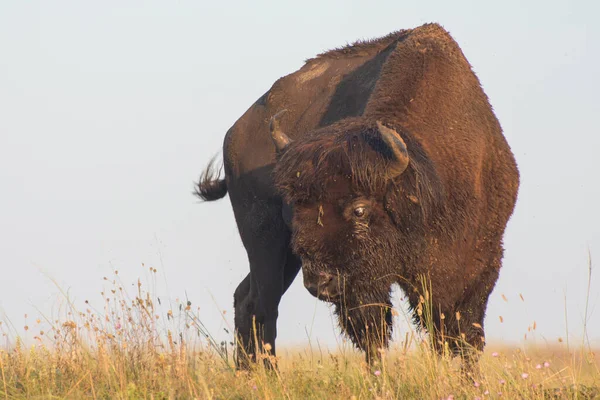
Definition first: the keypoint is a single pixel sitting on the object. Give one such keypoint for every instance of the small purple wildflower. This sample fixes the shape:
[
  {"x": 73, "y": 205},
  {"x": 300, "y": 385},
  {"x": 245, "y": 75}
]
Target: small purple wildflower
[
  {"x": 377, "y": 373},
  {"x": 502, "y": 381},
  {"x": 476, "y": 384},
  {"x": 546, "y": 364},
  {"x": 539, "y": 366},
  {"x": 524, "y": 375},
  {"x": 494, "y": 354}
]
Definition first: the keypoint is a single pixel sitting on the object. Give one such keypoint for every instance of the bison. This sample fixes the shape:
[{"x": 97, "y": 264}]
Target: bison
[{"x": 375, "y": 164}]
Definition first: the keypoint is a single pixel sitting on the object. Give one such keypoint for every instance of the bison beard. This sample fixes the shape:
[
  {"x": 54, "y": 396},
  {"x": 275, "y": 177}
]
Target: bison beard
[
  {"x": 365, "y": 315},
  {"x": 377, "y": 164}
]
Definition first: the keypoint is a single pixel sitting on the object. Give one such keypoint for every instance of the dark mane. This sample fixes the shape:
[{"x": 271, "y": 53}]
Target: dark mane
[
  {"x": 352, "y": 151},
  {"x": 309, "y": 166}
]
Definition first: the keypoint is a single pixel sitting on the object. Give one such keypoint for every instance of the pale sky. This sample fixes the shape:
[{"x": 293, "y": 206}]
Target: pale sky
[{"x": 110, "y": 110}]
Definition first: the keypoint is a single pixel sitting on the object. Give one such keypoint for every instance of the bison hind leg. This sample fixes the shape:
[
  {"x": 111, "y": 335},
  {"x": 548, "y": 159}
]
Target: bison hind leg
[{"x": 243, "y": 308}]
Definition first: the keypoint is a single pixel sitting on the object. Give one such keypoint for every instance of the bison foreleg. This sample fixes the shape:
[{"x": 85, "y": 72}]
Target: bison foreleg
[
  {"x": 469, "y": 315},
  {"x": 458, "y": 325}
]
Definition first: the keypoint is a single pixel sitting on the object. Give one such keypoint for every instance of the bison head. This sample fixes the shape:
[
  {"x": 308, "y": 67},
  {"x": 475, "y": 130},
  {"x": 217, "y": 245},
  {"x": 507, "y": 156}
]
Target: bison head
[{"x": 344, "y": 186}]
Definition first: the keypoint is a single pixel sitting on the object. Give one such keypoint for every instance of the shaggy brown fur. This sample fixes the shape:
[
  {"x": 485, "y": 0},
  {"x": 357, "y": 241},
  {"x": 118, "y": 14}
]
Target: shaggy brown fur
[{"x": 328, "y": 203}]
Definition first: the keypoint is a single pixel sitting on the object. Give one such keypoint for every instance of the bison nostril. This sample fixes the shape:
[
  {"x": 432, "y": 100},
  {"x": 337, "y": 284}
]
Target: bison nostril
[
  {"x": 328, "y": 286},
  {"x": 322, "y": 285}
]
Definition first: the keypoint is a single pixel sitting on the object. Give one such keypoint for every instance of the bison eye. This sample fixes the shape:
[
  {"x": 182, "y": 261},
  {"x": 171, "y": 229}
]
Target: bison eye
[{"x": 359, "y": 212}]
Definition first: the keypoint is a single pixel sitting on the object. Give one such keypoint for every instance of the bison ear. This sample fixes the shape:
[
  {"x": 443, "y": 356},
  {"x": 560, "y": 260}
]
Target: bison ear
[
  {"x": 280, "y": 139},
  {"x": 398, "y": 149}
]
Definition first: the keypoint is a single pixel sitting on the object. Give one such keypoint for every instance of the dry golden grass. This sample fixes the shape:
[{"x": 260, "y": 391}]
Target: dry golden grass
[{"x": 136, "y": 348}]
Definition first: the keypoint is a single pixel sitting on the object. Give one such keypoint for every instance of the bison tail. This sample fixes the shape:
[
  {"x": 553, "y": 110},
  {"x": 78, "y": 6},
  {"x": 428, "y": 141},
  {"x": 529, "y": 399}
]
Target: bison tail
[{"x": 210, "y": 187}]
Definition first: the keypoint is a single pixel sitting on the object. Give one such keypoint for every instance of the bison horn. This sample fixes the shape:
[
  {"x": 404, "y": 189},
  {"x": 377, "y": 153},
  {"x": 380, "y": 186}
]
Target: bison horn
[
  {"x": 280, "y": 139},
  {"x": 398, "y": 148}
]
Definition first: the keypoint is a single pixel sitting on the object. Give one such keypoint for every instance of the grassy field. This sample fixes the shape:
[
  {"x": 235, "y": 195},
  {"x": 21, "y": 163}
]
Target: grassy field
[{"x": 135, "y": 348}]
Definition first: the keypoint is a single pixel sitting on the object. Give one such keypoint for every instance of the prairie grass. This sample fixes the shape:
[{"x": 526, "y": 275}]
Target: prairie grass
[{"x": 136, "y": 347}]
